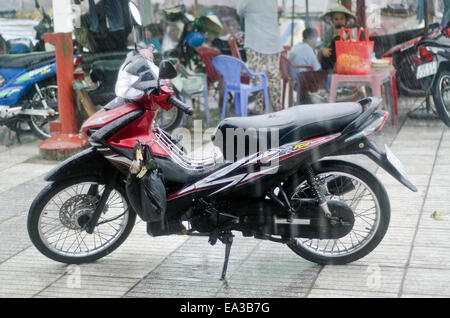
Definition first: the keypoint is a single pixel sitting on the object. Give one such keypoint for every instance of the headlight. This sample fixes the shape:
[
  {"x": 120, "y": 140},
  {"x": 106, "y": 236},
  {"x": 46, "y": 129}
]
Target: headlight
[{"x": 2, "y": 81}]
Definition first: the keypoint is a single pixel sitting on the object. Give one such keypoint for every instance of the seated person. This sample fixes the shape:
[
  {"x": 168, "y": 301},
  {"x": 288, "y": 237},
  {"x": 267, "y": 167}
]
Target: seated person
[
  {"x": 338, "y": 17},
  {"x": 150, "y": 39},
  {"x": 304, "y": 53}
]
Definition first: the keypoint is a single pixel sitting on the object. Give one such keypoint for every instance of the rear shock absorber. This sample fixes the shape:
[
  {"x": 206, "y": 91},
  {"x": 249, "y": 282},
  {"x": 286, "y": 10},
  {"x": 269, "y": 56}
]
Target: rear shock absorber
[{"x": 317, "y": 189}]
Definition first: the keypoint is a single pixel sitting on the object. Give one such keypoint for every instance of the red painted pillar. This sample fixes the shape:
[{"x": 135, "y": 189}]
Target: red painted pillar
[{"x": 69, "y": 140}]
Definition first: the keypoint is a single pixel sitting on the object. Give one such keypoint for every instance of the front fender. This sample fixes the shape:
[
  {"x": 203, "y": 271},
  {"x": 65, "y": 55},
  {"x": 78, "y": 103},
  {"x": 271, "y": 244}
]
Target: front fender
[{"x": 86, "y": 162}]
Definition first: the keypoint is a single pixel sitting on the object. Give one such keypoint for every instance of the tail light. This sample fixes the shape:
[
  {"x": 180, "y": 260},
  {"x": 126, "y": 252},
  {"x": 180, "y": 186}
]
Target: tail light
[
  {"x": 425, "y": 54},
  {"x": 377, "y": 124}
]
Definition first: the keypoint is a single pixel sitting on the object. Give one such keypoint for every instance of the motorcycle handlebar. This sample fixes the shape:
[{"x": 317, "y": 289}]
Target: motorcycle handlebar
[{"x": 180, "y": 105}]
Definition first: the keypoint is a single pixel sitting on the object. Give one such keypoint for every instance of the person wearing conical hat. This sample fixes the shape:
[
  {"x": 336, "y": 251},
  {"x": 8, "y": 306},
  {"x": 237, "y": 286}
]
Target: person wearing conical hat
[{"x": 338, "y": 17}]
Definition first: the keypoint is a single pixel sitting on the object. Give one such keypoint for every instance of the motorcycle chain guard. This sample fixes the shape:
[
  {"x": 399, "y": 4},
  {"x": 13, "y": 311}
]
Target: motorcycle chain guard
[{"x": 309, "y": 222}]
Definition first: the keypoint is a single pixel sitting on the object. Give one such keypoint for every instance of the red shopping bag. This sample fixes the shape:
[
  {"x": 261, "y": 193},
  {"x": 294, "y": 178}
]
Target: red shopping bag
[{"x": 354, "y": 57}]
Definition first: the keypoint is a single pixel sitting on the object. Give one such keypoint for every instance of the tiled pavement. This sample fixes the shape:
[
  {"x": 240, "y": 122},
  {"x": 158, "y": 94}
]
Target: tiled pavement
[{"x": 411, "y": 261}]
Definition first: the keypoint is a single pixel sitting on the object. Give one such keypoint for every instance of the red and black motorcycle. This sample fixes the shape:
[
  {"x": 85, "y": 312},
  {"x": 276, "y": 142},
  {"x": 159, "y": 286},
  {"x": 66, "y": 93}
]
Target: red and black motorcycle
[
  {"x": 401, "y": 47},
  {"x": 272, "y": 182}
]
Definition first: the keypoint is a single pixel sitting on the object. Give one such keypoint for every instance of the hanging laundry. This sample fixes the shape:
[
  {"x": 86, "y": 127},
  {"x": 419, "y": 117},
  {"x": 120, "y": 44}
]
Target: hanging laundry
[
  {"x": 94, "y": 24},
  {"x": 114, "y": 15}
]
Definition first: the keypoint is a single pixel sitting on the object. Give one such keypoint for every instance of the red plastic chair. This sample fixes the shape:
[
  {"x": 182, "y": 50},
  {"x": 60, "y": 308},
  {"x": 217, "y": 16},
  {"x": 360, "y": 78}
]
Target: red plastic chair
[
  {"x": 232, "y": 42},
  {"x": 206, "y": 55},
  {"x": 287, "y": 80}
]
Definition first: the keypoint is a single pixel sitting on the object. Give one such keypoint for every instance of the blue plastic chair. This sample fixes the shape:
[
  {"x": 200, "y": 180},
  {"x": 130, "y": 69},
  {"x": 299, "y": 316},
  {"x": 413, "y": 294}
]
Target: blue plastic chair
[{"x": 230, "y": 68}]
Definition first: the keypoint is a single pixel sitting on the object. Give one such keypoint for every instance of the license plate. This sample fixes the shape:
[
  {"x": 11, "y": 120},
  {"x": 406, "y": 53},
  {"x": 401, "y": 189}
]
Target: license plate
[
  {"x": 427, "y": 69},
  {"x": 395, "y": 162}
]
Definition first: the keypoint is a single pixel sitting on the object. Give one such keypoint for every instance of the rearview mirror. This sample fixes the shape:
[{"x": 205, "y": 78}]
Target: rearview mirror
[
  {"x": 135, "y": 14},
  {"x": 167, "y": 70}
]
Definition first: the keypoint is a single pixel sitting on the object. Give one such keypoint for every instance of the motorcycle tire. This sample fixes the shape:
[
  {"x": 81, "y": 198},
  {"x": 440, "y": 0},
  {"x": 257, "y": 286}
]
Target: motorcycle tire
[
  {"x": 364, "y": 184},
  {"x": 442, "y": 82},
  {"x": 169, "y": 124},
  {"x": 71, "y": 207}
]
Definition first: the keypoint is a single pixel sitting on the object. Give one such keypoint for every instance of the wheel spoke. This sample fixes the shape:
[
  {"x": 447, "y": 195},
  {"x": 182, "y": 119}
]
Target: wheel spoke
[{"x": 61, "y": 222}]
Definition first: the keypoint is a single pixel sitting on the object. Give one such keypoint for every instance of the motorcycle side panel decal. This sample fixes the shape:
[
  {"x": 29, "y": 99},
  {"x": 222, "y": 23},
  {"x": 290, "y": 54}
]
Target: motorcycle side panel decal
[
  {"x": 7, "y": 92},
  {"x": 303, "y": 146},
  {"x": 20, "y": 81},
  {"x": 270, "y": 158},
  {"x": 34, "y": 74}
]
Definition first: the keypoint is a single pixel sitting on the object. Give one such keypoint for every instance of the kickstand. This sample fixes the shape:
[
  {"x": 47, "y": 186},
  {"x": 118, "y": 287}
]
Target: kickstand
[{"x": 227, "y": 239}]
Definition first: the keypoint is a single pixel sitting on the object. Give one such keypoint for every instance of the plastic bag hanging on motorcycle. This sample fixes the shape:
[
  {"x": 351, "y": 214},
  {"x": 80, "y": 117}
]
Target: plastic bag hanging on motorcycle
[
  {"x": 354, "y": 57},
  {"x": 145, "y": 188}
]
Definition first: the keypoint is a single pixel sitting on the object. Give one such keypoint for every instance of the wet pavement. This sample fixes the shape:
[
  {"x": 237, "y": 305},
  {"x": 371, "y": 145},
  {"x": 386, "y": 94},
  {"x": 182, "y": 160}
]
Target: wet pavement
[{"x": 411, "y": 261}]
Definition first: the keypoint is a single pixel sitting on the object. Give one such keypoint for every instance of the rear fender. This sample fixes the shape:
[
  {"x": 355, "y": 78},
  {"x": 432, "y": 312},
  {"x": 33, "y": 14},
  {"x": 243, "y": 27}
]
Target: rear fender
[
  {"x": 364, "y": 146},
  {"x": 88, "y": 162}
]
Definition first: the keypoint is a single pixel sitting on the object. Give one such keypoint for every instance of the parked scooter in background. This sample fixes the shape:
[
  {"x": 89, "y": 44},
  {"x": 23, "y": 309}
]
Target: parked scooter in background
[
  {"x": 44, "y": 26},
  {"x": 192, "y": 36},
  {"x": 401, "y": 47},
  {"x": 432, "y": 66},
  {"x": 28, "y": 92}
]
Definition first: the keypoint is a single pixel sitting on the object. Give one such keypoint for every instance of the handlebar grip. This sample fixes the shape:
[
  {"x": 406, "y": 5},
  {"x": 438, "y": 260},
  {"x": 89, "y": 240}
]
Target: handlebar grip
[{"x": 180, "y": 105}]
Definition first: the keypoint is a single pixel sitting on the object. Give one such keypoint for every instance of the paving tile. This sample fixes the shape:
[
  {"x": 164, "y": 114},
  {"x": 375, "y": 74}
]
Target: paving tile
[
  {"x": 432, "y": 237},
  {"x": 21, "y": 173},
  {"x": 387, "y": 254},
  {"x": 427, "y": 281},
  {"x": 422, "y": 296},
  {"x": 339, "y": 293},
  {"x": 28, "y": 273},
  {"x": 372, "y": 278},
  {"x": 14, "y": 237},
  {"x": 88, "y": 286},
  {"x": 435, "y": 257}
]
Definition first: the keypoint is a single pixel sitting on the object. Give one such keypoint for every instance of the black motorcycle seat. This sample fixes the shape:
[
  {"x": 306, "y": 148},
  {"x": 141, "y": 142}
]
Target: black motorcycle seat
[
  {"x": 28, "y": 60},
  {"x": 293, "y": 124},
  {"x": 106, "y": 70}
]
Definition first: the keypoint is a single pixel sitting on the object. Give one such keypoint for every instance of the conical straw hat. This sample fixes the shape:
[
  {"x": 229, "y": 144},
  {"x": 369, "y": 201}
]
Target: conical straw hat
[{"x": 351, "y": 18}]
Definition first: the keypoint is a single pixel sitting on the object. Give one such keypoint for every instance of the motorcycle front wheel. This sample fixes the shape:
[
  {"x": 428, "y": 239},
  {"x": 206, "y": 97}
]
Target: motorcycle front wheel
[
  {"x": 361, "y": 191},
  {"x": 441, "y": 96},
  {"x": 58, "y": 216},
  {"x": 169, "y": 119}
]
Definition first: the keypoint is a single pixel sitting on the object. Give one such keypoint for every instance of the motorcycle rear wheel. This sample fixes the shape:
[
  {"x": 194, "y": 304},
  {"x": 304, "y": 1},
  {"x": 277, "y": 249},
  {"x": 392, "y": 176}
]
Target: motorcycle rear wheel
[
  {"x": 40, "y": 125},
  {"x": 441, "y": 96},
  {"x": 57, "y": 215},
  {"x": 369, "y": 202}
]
